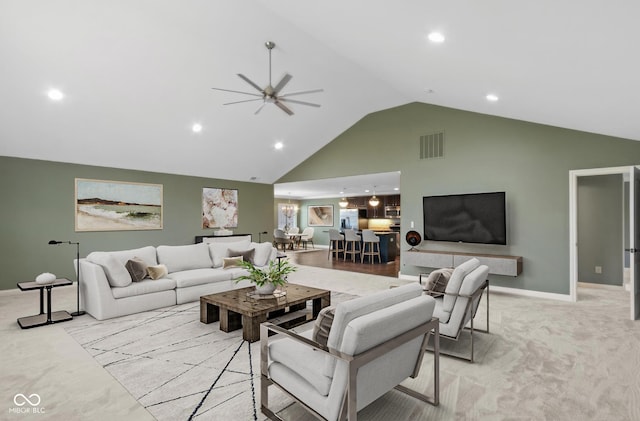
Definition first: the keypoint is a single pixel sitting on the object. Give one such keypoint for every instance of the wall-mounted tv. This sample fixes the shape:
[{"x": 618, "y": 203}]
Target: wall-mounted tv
[{"x": 466, "y": 218}]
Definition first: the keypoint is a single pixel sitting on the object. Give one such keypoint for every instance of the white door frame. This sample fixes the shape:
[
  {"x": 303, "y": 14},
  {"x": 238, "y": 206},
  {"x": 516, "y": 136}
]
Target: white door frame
[{"x": 573, "y": 218}]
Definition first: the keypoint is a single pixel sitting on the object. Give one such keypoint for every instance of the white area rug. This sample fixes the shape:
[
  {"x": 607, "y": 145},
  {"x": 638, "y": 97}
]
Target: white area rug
[{"x": 179, "y": 368}]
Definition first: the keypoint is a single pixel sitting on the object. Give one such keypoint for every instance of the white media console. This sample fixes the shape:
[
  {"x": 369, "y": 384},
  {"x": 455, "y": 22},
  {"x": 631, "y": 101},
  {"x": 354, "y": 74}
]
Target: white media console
[{"x": 498, "y": 265}]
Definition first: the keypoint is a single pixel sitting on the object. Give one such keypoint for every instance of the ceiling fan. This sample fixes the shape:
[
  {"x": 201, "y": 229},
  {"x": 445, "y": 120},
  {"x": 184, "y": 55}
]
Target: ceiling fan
[{"x": 271, "y": 94}]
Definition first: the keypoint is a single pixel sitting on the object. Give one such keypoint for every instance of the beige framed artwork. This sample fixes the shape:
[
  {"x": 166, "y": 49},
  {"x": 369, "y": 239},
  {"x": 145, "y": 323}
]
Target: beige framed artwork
[
  {"x": 102, "y": 205},
  {"x": 320, "y": 216}
]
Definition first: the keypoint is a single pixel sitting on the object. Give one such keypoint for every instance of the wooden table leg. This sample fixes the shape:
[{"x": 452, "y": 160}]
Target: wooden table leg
[
  {"x": 209, "y": 313},
  {"x": 251, "y": 327},
  {"x": 230, "y": 320},
  {"x": 320, "y": 303}
]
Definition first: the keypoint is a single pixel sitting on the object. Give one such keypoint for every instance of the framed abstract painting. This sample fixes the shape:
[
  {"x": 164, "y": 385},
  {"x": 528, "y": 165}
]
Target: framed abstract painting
[
  {"x": 219, "y": 208},
  {"x": 320, "y": 216}
]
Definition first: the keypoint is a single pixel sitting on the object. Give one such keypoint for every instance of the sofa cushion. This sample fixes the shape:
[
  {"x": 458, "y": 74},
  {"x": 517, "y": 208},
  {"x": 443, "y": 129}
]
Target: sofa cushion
[
  {"x": 157, "y": 271},
  {"x": 352, "y": 309},
  {"x": 148, "y": 254},
  {"x": 137, "y": 268},
  {"x": 219, "y": 250},
  {"x": 117, "y": 274},
  {"x": 247, "y": 255},
  {"x": 147, "y": 286},
  {"x": 453, "y": 287},
  {"x": 300, "y": 359},
  {"x": 189, "y": 278},
  {"x": 177, "y": 258},
  {"x": 262, "y": 253}
]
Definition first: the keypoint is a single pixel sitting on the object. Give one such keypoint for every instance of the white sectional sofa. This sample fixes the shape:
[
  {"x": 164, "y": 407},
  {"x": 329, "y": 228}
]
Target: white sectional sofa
[{"x": 107, "y": 289}]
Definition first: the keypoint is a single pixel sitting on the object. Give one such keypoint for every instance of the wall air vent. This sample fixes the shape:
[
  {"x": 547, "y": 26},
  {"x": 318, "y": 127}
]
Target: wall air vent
[{"x": 432, "y": 145}]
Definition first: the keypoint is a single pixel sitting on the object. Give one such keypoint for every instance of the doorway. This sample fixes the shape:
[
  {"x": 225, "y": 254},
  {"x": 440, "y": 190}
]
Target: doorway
[{"x": 630, "y": 176}]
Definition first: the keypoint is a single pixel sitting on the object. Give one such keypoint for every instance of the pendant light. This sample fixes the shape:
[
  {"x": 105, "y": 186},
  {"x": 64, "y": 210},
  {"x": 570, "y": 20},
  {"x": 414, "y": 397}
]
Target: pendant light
[
  {"x": 374, "y": 201},
  {"x": 343, "y": 202}
]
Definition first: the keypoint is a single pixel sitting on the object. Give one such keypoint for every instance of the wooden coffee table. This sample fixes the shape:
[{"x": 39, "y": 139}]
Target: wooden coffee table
[{"x": 236, "y": 308}]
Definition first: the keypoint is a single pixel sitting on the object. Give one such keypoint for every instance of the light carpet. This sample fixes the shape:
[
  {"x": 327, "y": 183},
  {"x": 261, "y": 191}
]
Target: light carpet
[
  {"x": 177, "y": 367},
  {"x": 543, "y": 360}
]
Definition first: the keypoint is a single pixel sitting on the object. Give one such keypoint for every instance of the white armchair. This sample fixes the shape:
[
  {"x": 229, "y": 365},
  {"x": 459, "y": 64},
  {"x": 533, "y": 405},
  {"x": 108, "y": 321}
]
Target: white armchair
[
  {"x": 375, "y": 342},
  {"x": 457, "y": 306}
]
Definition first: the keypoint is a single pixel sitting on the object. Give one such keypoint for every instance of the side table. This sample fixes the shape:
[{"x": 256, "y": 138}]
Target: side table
[{"x": 48, "y": 317}]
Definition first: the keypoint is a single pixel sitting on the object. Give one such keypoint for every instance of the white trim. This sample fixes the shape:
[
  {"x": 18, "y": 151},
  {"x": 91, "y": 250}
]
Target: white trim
[
  {"x": 601, "y": 286},
  {"x": 512, "y": 291},
  {"x": 531, "y": 293},
  {"x": 10, "y": 291},
  {"x": 573, "y": 218}
]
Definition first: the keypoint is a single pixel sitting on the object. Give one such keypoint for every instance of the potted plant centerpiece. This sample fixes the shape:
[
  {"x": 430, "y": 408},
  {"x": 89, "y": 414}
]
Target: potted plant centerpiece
[{"x": 267, "y": 279}]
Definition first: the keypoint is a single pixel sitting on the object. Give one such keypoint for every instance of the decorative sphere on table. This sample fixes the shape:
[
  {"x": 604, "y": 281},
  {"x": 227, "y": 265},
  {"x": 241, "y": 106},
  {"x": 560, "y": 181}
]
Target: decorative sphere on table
[{"x": 45, "y": 278}]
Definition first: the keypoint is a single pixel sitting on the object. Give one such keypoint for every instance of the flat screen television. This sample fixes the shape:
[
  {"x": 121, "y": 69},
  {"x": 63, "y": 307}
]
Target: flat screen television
[{"x": 466, "y": 218}]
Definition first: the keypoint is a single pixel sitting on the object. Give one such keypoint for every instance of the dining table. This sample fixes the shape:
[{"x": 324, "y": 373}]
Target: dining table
[{"x": 295, "y": 239}]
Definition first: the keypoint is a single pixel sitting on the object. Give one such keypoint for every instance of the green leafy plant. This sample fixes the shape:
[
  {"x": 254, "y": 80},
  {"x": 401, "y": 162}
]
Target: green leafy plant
[{"x": 276, "y": 273}]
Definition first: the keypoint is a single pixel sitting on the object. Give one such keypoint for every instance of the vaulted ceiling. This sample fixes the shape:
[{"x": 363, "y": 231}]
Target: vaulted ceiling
[{"x": 137, "y": 74}]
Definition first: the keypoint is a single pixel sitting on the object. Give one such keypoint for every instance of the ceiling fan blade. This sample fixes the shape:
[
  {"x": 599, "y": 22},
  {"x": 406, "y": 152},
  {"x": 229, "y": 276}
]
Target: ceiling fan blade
[
  {"x": 246, "y": 79},
  {"x": 260, "y": 108},
  {"x": 285, "y": 79},
  {"x": 246, "y": 100},
  {"x": 313, "y": 91},
  {"x": 237, "y": 92},
  {"x": 283, "y": 107},
  {"x": 299, "y": 102}
]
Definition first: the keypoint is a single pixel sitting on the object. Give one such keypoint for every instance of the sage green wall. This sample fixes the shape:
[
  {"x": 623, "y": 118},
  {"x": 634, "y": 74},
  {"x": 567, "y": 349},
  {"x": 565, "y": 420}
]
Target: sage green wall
[
  {"x": 38, "y": 206},
  {"x": 600, "y": 229},
  {"x": 531, "y": 162}
]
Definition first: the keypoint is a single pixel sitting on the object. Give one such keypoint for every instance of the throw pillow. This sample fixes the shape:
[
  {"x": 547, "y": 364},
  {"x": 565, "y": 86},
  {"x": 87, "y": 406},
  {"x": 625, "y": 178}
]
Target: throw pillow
[
  {"x": 219, "y": 250},
  {"x": 137, "y": 268},
  {"x": 231, "y": 262},
  {"x": 247, "y": 255},
  {"x": 437, "y": 281},
  {"x": 117, "y": 274},
  {"x": 157, "y": 272},
  {"x": 322, "y": 325}
]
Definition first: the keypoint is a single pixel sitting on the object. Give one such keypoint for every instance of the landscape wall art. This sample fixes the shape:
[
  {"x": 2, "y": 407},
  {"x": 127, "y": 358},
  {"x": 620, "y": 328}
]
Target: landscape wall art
[{"x": 117, "y": 206}]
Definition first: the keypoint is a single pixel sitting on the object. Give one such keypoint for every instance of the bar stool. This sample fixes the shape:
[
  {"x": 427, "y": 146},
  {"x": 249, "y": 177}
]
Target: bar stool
[
  {"x": 353, "y": 239},
  {"x": 336, "y": 243},
  {"x": 369, "y": 238}
]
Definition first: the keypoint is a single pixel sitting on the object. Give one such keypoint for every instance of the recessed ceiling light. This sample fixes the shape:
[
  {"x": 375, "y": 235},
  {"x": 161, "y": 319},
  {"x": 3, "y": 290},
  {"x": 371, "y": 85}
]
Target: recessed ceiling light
[
  {"x": 396, "y": 188},
  {"x": 366, "y": 191},
  {"x": 55, "y": 95},
  {"x": 436, "y": 37},
  {"x": 278, "y": 145},
  {"x": 492, "y": 97},
  {"x": 196, "y": 128}
]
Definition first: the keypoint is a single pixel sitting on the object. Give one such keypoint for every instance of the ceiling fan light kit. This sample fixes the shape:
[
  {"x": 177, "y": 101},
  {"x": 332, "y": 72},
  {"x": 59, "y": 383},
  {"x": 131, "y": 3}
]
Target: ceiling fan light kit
[{"x": 271, "y": 94}]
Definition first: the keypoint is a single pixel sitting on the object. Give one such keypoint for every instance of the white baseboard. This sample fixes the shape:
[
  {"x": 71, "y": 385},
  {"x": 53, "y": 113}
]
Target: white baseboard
[
  {"x": 600, "y": 286},
  {"x": 512, "y": 291}
]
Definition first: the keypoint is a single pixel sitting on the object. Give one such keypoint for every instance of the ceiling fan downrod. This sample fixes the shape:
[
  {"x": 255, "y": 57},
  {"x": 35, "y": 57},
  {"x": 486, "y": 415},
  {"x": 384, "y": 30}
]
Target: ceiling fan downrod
[{"x": 270, "y": 46}]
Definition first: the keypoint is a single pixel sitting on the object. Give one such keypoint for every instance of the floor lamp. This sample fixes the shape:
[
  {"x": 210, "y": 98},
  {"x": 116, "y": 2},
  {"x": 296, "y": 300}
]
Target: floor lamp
[{"x": 54, "y": 242}]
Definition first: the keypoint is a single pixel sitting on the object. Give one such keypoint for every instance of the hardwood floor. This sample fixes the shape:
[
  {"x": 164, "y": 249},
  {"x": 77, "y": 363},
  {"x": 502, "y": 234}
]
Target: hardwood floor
[{"x": 318, "y": 258}]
